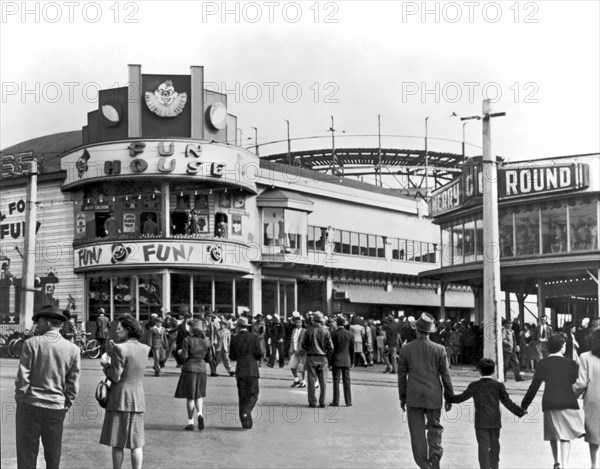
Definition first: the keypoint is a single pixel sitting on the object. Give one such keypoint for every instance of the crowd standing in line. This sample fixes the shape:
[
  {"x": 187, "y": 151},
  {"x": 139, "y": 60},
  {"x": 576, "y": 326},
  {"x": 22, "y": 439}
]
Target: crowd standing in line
[{"x": 316, "y": 344}]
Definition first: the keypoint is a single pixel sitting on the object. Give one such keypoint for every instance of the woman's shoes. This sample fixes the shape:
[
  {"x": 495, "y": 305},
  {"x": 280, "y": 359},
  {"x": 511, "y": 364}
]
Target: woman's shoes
[
  {"x": 200, "y": 423},
  {"x": 189, "y": 428},
  {"x": 556, "y": 465}
]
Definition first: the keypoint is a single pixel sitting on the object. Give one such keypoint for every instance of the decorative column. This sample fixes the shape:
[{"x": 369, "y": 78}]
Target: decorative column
[
  {"x": 256, "y": 291},
  {"x": 165, "y": 219},
  {"x": 329, "y": 294}
]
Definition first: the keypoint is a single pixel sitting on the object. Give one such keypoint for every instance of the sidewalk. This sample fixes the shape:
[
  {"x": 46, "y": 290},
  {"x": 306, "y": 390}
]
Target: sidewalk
[{"x": 286, "y": 434}]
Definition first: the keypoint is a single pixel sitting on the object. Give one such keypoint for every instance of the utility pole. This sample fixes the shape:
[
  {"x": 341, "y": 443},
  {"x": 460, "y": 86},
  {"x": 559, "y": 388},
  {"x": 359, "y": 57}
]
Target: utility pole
[
  {"x": 426, "y": 162},
  {"x": 492, "y": 319},
  {"x": 379, "y": 151},
  {"x": 27, "y": 287}
]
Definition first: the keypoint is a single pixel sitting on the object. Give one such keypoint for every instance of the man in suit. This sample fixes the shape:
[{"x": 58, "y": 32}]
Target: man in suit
[
  {"x": 541, "y": 334},
  {"x": 46, "y": 386},
  {"x": 102, "y": 325},
  {"x": 392, "y": 344},
  {"x": 509, "y": 350},
  {"x": 318, "y": 347},
  {"x": 422, "y": 372},
  {"x": 297, "y": 355},
  {"x": 277, "y": 335},
  {"x": 341, "y": 361},
  {"x": 245, "y": 350}
]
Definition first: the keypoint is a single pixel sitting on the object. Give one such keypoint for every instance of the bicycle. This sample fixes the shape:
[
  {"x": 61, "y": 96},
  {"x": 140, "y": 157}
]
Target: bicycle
[
  {"x": 16, "y": 341},
  {"x": 89, "y": 347}
]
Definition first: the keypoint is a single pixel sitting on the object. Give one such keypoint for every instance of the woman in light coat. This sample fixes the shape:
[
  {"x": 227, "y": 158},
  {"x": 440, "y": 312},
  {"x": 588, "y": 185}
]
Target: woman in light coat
[
  {"x": 588, "y": 382},
  {"x": 124, "y": 418}
]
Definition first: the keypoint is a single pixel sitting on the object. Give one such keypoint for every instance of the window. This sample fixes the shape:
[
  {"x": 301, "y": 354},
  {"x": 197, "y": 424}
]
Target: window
[
  {"x": 380, "y": 247},
  {"x": 528, "y": 232},
  {"x": 202, "y": 294},
  {"x": 583, "y": 222},
  {"x": 149, "y": 296},
  {"x": 100, "y": 231},
  {"x": 311, "y": 238},
  {"x": 363, "y": 244},
  {"x": 123, "y": 300},
  {"x": 354, "y": 243},
  {"x": 506, "y": 234},
  {"x": 337, "y": 240},
  {"x": 273, "y": 227},
  {"x": 180, "y": 291},
  {"x": 345, "y": 242},
  {"x": 99, "y": 294},
  {"x": 149, "y": 223},
  {"x": 294, "y": 230},
  {"x": 180, "y": 224},
  {"x": 457, "y": 245},
  {"x": 221, "y": 225},
  {"x": 469, "y": 241}
]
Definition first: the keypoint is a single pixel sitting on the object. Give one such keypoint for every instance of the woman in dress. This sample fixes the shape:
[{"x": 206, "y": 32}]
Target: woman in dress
[
  {"x": 588, "y": 382},
  {"x": 562, "y": 421},
  {"x": 124, "y": 418},
  {"x": 192, "y": 381}
]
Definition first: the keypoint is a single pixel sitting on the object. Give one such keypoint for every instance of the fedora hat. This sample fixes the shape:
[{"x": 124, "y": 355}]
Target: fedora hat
[
  {"x": 426, "y": 323},
  {"x": 242, "y": 322},
  {"x": 49, "y": 312},
  {"x": 317, "y": 317}
]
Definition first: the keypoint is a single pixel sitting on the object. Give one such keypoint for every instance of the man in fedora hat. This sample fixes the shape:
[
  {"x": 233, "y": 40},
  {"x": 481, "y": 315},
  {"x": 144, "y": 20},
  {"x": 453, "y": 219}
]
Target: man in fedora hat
[
  {"x": 245, "y": 350},
  {"x": 102, "y": 325},
  {"x": 422, "y": 372},
  {"x": 318, "y": 346},
  {"x": 46, "y": 386}
]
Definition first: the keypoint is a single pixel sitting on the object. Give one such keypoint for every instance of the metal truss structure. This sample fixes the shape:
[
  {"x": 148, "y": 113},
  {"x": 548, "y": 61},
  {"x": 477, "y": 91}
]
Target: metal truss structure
[{"x": 415, "y": 172}]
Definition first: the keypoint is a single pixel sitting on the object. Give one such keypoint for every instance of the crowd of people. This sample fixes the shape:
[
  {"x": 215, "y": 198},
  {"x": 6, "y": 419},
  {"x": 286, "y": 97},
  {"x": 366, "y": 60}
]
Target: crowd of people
[{"x": 420, "y": 351}]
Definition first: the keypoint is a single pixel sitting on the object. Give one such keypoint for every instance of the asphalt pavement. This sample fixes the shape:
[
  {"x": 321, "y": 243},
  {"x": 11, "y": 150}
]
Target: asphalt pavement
[{"x": 373, "y": 433}]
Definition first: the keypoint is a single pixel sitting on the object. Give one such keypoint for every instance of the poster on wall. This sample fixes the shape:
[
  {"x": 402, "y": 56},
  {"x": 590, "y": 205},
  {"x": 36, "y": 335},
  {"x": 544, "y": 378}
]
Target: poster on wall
[
  {"x": 236, "y": 225},
  {"x": 80, "y": 224},
  {"x": 198, "y": 222},
  {"x": 225, "y": 201},
  {"x": 129, "y": 224}
]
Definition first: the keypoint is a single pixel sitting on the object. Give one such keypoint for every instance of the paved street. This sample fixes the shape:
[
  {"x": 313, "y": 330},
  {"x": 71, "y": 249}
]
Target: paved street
[{"x": 286, "y": 432}]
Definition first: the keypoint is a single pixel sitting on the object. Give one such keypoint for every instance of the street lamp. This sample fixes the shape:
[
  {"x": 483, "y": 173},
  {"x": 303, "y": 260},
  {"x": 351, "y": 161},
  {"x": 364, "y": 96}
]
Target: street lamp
[
  {"x": 256, "y": 140},
  {"x": 289, "y": 143}
]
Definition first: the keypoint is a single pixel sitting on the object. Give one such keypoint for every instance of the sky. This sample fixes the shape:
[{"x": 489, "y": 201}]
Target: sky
[{"x": 308, "y": 61}]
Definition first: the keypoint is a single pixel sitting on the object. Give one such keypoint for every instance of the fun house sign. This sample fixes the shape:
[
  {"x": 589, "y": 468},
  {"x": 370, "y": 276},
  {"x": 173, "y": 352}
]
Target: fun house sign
[
  {"x": 198, "y": 160},
  {"x": 513, "y": 182},
  {"x": 165, "y": 254}
]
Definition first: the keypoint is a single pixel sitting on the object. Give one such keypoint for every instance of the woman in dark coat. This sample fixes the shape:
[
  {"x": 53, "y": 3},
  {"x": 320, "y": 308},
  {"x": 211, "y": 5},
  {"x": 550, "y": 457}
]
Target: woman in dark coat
[
  {"x": 192, "y": 381},
  {"x": 562, "y": 421},
  {"x": 124, "y": 419}
]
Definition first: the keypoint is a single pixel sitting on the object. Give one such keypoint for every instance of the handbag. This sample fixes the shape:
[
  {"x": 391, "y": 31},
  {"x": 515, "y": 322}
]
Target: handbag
[{"x": 102, "y": 392}]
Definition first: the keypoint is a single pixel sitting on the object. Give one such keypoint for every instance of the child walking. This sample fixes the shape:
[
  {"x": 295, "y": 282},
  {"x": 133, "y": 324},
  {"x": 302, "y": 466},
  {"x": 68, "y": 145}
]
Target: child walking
[{"x": 487, "y": 393}]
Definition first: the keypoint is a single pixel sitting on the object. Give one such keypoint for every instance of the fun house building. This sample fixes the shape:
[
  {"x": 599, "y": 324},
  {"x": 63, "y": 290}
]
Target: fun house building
[
  {"x": 548, "y": 233},
  {"x": 151, "y": 207}
]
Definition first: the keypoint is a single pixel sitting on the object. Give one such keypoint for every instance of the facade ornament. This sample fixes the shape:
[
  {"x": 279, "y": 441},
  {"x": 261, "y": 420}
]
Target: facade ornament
[{"x": 165, "y": 101}]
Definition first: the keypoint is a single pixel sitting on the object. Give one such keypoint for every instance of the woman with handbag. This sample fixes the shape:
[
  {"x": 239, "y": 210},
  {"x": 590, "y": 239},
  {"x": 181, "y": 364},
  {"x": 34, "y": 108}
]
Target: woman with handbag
[
  {"x": 192, "y": 381},
  {"x": 562, "y": 421},
  {"x": 124, "y": 419}
]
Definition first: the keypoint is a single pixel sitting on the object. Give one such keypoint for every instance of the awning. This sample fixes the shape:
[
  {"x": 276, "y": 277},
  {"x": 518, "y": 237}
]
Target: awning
[
  {"x": 417, "y": 296},
  {"x": 284, "y": 199}
]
